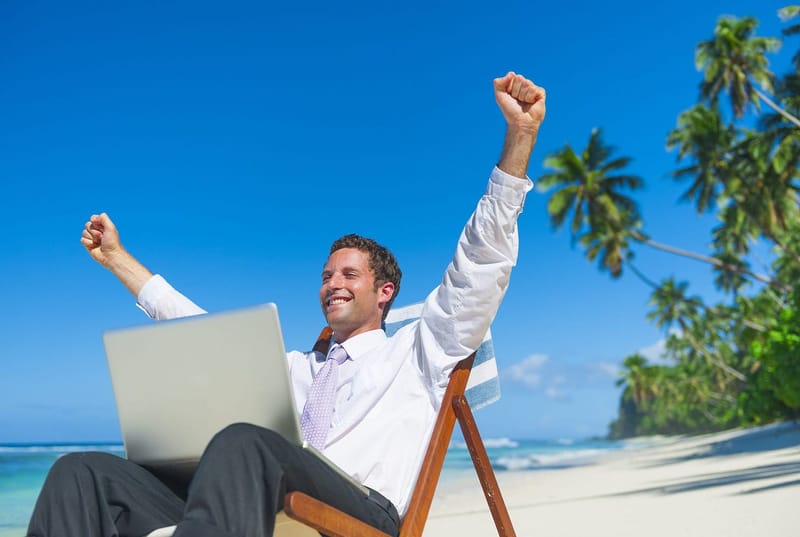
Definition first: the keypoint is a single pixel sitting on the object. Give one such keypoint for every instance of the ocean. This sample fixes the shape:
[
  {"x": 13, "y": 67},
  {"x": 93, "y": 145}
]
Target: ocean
[{"x": 23, "y": 467}]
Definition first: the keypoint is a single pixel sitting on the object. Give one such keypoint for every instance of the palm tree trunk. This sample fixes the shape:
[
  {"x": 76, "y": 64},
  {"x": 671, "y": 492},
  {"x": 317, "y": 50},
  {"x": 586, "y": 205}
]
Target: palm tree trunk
[
  {"x": 789, "y": 117},
  {"x": 640, "y": 275},
  {"x": 710, "y": 260}
]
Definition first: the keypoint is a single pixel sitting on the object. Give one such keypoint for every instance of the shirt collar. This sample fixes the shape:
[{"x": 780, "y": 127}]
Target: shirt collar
[{"x": 357, "y": 346}]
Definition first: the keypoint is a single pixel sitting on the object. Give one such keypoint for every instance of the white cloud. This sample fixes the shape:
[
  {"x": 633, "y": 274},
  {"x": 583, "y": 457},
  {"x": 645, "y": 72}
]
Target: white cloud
[
  {"x": 554, "y": 393},
  {"x": 653, "y": 352},
  {"x": 560, "y": 379},
  {"x": 555, "y": 379},
  {"x": 528, "y": 371},
  {"x": 604, "y": 369}
]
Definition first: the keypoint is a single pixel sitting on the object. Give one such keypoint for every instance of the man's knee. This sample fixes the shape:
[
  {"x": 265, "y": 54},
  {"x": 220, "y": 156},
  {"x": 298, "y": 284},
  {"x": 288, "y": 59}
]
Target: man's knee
[
  {"x": 244, "y": 437},
  {"x": 235, "y": 433},
  {"x": 78, "y": 467}
]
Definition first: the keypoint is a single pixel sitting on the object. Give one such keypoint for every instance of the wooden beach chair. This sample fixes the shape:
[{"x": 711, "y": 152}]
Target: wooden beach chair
[{"x": 304, "y": 516}]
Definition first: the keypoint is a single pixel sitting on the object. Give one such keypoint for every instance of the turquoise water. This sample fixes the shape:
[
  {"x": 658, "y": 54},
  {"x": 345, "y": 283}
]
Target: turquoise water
[{"x": 23, "y": 467}]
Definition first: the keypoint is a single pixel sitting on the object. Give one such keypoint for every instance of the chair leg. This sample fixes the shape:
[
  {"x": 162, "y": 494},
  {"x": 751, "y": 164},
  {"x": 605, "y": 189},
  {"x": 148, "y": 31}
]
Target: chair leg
[{"x": 483, "y": 467}]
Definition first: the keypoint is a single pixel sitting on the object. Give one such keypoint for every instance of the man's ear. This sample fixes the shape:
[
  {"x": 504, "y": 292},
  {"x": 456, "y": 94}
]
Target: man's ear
[{"x": 385, "y": 292}]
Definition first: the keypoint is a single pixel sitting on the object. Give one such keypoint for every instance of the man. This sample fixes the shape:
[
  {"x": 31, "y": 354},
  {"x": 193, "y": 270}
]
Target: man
[{"x": 385, "y": 395}]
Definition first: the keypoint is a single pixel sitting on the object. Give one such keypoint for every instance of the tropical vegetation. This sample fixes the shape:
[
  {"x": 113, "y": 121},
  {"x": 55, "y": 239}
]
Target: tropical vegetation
[{"x": 736, "y": 362}]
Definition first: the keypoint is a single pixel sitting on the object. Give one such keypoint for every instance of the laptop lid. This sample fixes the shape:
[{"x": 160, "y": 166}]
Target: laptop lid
[{"x": 177, "y": 383}]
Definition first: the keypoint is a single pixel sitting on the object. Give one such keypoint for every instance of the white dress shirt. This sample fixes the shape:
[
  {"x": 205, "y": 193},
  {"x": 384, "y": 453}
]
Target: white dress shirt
[{"x": 391, "y": 388}]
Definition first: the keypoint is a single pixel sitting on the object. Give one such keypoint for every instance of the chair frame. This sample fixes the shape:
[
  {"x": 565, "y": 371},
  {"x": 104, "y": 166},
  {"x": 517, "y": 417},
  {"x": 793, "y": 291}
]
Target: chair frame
[{"x": 334, "y": 523}]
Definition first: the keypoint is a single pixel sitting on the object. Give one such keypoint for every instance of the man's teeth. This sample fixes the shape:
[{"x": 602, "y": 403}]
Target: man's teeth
[{"x": 335, "y": 301}]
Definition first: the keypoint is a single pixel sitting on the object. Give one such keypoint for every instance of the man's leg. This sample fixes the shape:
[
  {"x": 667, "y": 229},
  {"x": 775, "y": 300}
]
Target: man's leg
[
  {"x": 102, "y": 495},
  {"x": 243, "y": 476}
]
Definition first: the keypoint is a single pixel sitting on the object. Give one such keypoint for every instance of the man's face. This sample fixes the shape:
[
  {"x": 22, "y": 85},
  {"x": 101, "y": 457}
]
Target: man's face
[{"x": 348, "y": 297}]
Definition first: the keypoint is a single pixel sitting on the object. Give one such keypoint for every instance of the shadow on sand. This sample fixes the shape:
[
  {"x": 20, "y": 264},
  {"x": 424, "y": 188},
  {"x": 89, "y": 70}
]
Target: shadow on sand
[{"x": 741, "y": 442}]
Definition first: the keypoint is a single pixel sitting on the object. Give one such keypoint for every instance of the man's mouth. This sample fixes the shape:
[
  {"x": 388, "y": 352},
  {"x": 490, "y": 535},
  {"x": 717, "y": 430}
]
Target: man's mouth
[{"x": 338, "y": 300}]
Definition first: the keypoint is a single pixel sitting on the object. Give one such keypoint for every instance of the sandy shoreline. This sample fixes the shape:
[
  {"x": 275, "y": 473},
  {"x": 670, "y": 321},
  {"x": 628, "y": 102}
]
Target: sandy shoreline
[{"x": 735, "y": 483}]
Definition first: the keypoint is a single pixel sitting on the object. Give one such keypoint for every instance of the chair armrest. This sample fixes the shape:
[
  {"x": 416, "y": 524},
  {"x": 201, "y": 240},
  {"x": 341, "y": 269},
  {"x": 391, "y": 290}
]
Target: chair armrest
[{"x": 326, "y": 519}]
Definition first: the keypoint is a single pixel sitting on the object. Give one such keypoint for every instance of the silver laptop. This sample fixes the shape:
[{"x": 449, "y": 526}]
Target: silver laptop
[{"x": 177, "y": 383}]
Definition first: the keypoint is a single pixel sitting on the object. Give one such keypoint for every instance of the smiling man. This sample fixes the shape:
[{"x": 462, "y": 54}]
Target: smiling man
[
  {"x": 359, "y": 283},
  {"x": 381, "y": 393}
]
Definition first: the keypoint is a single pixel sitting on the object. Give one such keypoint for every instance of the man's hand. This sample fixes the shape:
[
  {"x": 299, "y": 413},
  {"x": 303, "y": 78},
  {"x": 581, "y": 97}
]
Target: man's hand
[
  {"x": 101, "y": 240},
  {"x": 523, "y": 105},
  {"x": 521, "y": 101}
]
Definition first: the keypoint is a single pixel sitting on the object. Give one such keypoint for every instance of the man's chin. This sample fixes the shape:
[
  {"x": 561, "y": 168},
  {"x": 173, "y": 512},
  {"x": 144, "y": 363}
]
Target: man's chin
[
  {"x": 334, "y": 318},
  {"x": 337, "y": 310}
]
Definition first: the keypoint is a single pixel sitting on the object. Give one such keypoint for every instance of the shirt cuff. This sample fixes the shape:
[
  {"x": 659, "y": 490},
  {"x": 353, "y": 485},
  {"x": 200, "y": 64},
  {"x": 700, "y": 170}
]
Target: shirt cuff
[
  {"x": 508, "y": 187},
  {"x": 153, "y": 289}
]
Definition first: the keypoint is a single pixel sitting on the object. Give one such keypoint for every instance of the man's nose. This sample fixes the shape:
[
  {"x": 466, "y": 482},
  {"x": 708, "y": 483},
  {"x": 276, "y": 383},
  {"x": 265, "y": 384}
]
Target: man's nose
[{"x": 335, "y": 281}]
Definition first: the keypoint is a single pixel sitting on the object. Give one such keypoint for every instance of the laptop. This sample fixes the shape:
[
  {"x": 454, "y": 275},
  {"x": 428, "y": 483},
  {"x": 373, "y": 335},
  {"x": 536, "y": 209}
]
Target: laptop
[{"x": 179, "y": 382}]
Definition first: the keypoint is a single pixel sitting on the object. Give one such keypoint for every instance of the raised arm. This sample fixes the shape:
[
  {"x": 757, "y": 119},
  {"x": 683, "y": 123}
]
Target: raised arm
[
  {"x": 523, "y": 105},
  {"x": 154, "y": 295},
  {"x": 101, "y": 239},
  {"x": 457, "y": 314}
]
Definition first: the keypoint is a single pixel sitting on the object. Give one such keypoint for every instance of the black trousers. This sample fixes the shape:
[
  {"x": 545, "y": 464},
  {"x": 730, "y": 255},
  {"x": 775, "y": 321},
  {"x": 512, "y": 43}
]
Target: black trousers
[{"x": 237, "y": 490}]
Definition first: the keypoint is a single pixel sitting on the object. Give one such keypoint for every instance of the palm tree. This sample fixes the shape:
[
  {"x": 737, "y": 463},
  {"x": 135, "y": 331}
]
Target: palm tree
[
  {"x": 588, "y": 191},
  {"x": 741, "y": 174},
  {"x": 763, "y": 190},
  {"x": 767, "y": 185},
  {"x": 785, "y": 14},
  {"x": 635, "y": 379},
  {"x": 671, "y": 305},
  {"x": 589, "y": 196},
  {"x": 735, "y": 61},
  {"x": 707, "y": 141},
  {"x": 603, "y": 219}
]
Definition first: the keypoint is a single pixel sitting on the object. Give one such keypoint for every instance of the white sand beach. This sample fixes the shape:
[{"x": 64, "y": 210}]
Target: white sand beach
[{"x": 737, "y": 483}]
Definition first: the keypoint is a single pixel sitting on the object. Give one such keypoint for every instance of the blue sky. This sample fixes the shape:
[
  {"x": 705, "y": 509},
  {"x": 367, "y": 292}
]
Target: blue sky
[{"x": 231, "y": 143}]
